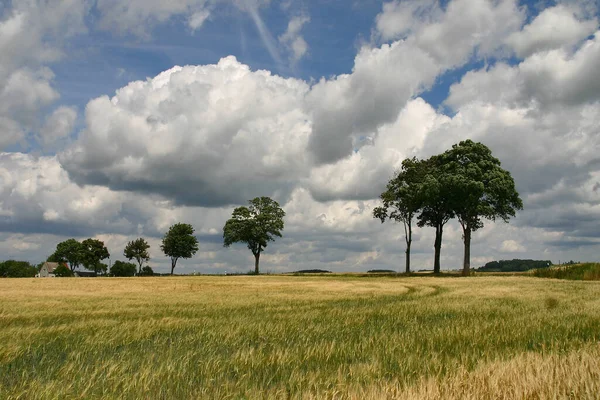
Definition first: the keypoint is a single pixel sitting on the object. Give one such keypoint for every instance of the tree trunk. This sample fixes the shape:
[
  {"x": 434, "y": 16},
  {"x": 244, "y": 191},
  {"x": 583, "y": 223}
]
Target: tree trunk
[
  {"x": 439, "y": 230},
  {"x": 467, "y": 254},
  {"x": 256, "y": 259},
  {"x": 173, "y": 263},
  {"x": 408, "y": 243}
]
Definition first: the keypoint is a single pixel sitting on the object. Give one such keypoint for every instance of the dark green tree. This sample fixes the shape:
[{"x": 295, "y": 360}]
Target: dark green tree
[
  {"x": 147, "y": 271},
  {"x": 138, "y": 250},
  {"x": 94, "y": 251},
  {"x": 436, "y": 207},
  {"x": 179, "y": 242},
  {"x": 62, "y": 271},
  {"x": 17, "y": 269},
  {"x": 402, "y": 199},
  {"x": 479, "y": 189},
  {"x": 70, "y": 251},
  {"x": 121, "y": 268},
  {"x": 255, "y": 225}
]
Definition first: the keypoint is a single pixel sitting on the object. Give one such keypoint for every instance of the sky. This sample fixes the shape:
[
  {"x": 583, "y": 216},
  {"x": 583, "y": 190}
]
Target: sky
[{"x": 121, "y": 118}]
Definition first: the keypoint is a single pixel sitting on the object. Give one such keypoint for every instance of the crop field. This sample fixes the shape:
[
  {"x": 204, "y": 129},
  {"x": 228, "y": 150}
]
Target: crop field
[{"x": 293, "y": 337}]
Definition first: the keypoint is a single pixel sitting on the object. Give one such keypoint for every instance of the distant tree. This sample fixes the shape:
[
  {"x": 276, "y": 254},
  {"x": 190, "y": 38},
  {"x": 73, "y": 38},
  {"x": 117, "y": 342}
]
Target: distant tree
[
  {"x": 255, "y": 225},
  {"x": 402, "y": 199},
  {"x": 147, "y": 271},
  {"x": 94, "y": 251},
  {"x": 138, "y": 250},
  {"x": 17, "y": 269},
  {"x": 179, "y": 242},
  {"x": 121, "y": 268},
  {"x": 70, "y": 251},
  {"x": 436, "y": 208},
  {"x": 62, "y": 271},
  {"x": 478, "y": 188}
]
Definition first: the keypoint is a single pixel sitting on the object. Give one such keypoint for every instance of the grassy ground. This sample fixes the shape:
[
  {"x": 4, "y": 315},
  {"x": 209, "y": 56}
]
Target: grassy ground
[
  {"x": 325, "y": 337},
  {"x": 577, "y": 272}
]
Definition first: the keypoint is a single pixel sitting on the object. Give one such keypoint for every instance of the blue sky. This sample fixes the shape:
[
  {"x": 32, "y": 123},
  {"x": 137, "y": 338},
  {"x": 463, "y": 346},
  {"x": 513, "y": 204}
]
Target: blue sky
[{"x": 354, "y": 88}]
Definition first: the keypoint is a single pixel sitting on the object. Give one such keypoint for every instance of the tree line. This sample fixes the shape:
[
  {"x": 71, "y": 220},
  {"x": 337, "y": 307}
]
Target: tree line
[{"x": 465, "y": 182}]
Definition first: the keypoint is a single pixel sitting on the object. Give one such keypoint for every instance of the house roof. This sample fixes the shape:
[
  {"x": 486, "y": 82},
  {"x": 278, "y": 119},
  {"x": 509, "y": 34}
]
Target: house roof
[{"x": 51, "y": 266}]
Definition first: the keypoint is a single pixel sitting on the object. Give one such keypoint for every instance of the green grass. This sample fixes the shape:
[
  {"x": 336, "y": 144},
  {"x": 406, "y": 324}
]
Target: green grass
[
  {"x": 577, "y": 272},
  {"x": 294, "y": 337}
]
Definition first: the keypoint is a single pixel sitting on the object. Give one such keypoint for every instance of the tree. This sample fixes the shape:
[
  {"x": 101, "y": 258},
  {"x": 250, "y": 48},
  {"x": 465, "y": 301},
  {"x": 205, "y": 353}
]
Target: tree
[
  {"x": 436, "y": 208},
  {"x": 402, "y": 199},
  {"x": 179, "y": 242},
  {"x": 255, "y": 225},
  {"x": 121, "y": 268},
  {"x": 479, "y": 188},
  {"x": 147, "y": 271},
  {"x": 62, "y": 271},
  {"x": 137, "y": 249},
  {"x": 17, "y": 269},
  {"x": 94, "y": 251},
  {"x": 70, "y": 251}
]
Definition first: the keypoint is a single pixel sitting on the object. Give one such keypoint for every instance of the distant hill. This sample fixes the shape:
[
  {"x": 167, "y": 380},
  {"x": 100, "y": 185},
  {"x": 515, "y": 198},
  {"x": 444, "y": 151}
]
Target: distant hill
[{"x": 515, "y": 265}]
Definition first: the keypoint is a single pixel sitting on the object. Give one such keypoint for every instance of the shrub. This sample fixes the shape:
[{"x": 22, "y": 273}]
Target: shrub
[{"x": 62, "y": 271}]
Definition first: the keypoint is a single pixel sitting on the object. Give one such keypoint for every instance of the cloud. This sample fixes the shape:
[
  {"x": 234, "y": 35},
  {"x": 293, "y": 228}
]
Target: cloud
[
  {"x": 197, "y": 19},
  {"x": 292, "y": 38},
  {"x": 58, "y": 125},
  {"x": 205, "y": 135}
]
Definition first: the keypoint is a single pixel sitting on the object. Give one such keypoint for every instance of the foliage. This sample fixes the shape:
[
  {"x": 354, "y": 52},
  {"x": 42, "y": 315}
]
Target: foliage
[
  {"x": 515, "y": 265},
  {"x": 70, "y": 251},
  {"x": 138, "y": 250},
  {"x": 477, "y": 187},
  {"x": 293, "y": 337},
  {"x": 62, "y": 271},
  {"x": 179, "y": 242},
  {"x": 577, "y": 272},
  {"x": 402, "y": 199},
  {"x": 94, "y": 251},
  {"x": 121, "y": 268},
  {"x": 17, "y": 269},
  {"x": 147, "y": 271},
  {"x": 255, "y": 225}
]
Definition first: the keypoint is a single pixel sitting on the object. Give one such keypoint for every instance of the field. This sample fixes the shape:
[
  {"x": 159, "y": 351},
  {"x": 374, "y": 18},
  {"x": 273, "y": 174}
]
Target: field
[{"x": 333, "y": 337}]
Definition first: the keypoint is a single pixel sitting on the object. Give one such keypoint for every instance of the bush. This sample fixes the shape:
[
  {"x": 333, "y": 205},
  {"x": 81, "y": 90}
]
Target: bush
[
  {"x": 17, "y": 269},
  {"x": 147, "y": 271},
  {"x": 121, "y": 268},
  {"x": 62, "y": 271}
]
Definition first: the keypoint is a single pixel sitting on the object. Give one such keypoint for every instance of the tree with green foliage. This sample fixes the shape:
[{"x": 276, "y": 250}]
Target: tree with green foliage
[
  {"x": 255, "y": 225},
  {"x": 121, "y": 268},
  {"x": 402, "y": 199},
  {"x": 94, "y": 251},
  {"x": 17, "y": 269},
  {"x": 436, "y": 208},
  {"x": 179, "y": 242},
  {"x": 478, "y": 188},
  {"x": 62, "y": 271},
  {"x": 70, "y": 251},
  {"x": 138, "y": 250},
  {"x": 147, "y": 271}
]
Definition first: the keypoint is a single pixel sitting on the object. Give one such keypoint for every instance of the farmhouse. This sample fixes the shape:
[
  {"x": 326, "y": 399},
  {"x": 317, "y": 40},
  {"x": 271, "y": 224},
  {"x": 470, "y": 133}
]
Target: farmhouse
[{"x": 47, "y": 270}]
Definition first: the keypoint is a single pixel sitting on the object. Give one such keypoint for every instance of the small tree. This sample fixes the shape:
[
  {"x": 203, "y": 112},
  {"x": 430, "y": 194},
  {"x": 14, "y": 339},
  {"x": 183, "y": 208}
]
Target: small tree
[
  {"x": 179, "y": 242},
  {"x": 402, "y": 199},
  {"x": 121, "y": 268},
  {"x": 70, "y": 251},
  {"x": 62, "y": 271},
  {"x": 138, "y": 250},
  {"x": 94, "y": 251},
  {"x": 147, "y": 271},
  {"x": 479, "y": 188},
  {"x": 255, "y": 225}
]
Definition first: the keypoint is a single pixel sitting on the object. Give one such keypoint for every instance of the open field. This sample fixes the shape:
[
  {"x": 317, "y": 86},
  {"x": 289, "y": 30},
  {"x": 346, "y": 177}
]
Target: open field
[{"x": 299, "y": 337}]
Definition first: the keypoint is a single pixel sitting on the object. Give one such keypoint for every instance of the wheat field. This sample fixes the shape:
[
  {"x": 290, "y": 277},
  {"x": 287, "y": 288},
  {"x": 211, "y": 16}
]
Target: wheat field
[{"x": 292, "y": 337}]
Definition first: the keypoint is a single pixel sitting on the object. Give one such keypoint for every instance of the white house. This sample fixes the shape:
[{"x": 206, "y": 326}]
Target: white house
[{"x": 47, "y": 270}]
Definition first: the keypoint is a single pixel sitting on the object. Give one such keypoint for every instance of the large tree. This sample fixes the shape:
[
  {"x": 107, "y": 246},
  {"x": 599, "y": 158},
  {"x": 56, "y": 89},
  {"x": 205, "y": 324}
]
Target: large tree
[
  {"x": 94, "y": 251},
  {"x": 179, "y": 242},
  {"x": 70, "y": 251},
  {"x": 138, "y": 250},
  {"x": 479, "y": 188},
  {"x": 402, "y": 199},
  {"x": 436, "y": 208},
  {"x": 255, "y": 225}
]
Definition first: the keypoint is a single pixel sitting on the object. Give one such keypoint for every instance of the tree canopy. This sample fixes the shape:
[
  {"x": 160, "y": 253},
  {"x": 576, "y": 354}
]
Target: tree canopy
[
  {"x": 94, "y": 251},
  {"x": 70, "y": 251},
  {"x": 138, "y": 250},
  {"x": 255, "y": 225},
  {"x": 179, "y": 242},
  {"x": 121, "y": 268}
]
